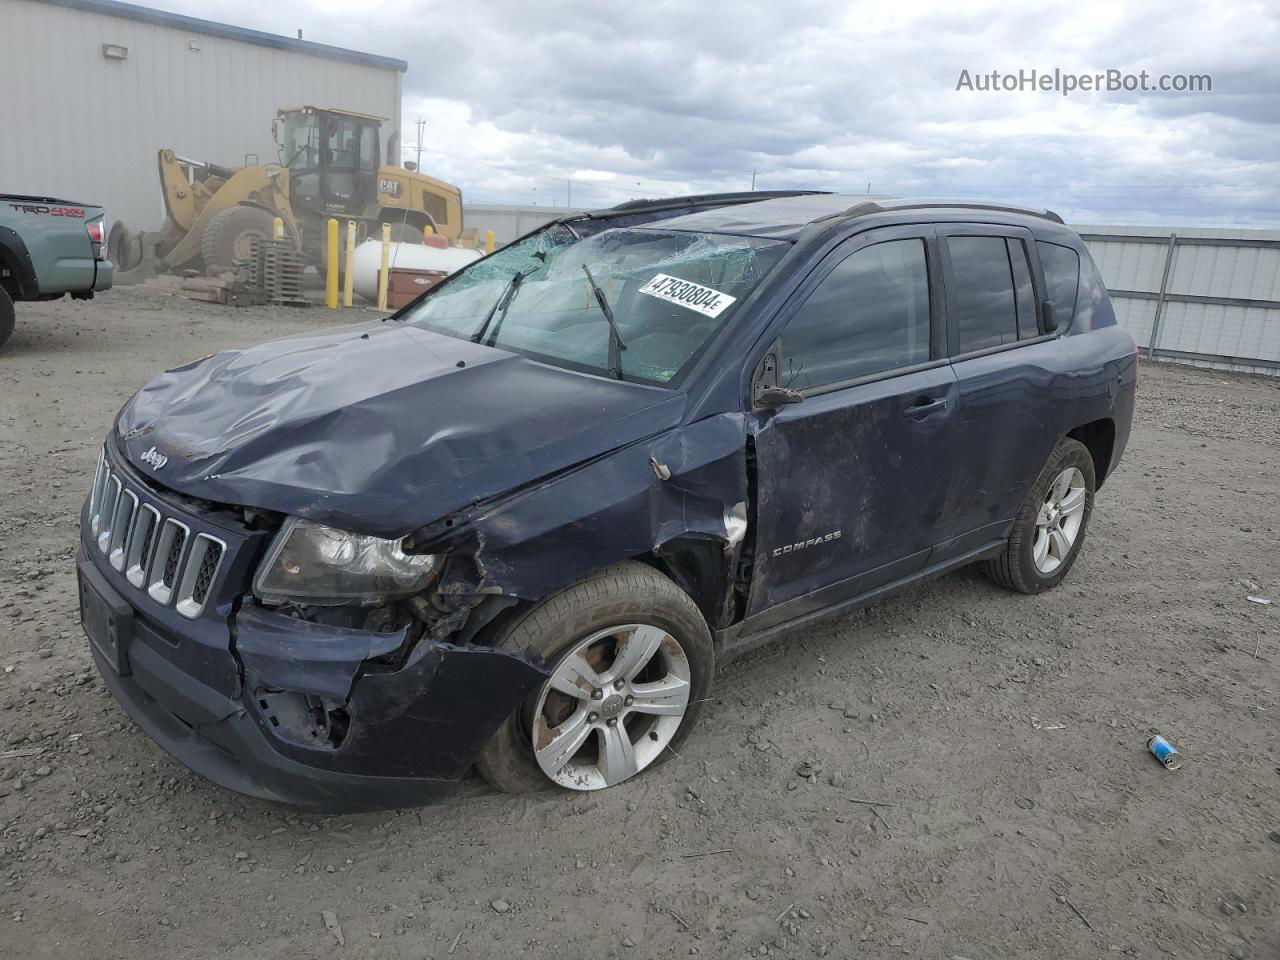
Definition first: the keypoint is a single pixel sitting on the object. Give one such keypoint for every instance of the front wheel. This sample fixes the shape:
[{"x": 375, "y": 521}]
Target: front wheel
[
  {"x": 228, "y": 236},
  {"x": 631, "y": 662},
  {"x": 1050, "y": 528}
]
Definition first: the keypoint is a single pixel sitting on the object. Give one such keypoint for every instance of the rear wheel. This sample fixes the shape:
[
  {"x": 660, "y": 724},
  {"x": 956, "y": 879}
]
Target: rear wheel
[
  {"x": 1050, "y": 528},
  {"x": 631, "y": 662},
  {"x": 6, "y": 315},
  {"x": 229, "y": 235}
]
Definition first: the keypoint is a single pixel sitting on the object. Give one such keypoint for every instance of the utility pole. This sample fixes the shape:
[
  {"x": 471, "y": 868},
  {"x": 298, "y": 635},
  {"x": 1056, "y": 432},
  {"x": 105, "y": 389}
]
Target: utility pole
[
  {"x": 420, "y": 125},
  {"x": 568, "y": 193},
  {"x": 753, "y": 179}
]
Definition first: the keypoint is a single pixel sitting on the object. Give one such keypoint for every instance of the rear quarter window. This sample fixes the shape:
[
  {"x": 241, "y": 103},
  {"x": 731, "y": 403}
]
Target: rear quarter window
[{"x": 1061, "y": 267}]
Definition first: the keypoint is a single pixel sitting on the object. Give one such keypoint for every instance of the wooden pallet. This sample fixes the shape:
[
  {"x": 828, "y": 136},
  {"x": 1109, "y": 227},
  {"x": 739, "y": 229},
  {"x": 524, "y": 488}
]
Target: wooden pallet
[{"x": 276, "y": 270}]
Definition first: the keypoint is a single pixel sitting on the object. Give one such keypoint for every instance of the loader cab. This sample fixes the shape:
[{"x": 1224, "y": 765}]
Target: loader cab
[{"x": 332, "y": 157}]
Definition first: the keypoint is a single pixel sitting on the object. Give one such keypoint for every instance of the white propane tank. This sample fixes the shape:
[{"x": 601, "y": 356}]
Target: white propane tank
[{"x": 413, "y": 256}]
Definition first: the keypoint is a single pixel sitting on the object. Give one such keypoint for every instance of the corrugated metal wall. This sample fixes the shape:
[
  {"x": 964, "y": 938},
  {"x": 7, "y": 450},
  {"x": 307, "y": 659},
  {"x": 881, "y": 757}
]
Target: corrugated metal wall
[
  {"x": 83, "y": 127},
  {"x": 1203, "y": 296}
]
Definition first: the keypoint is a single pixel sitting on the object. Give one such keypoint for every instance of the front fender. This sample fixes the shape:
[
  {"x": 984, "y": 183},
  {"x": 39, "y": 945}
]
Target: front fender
[{"x": 690, "y": 482}]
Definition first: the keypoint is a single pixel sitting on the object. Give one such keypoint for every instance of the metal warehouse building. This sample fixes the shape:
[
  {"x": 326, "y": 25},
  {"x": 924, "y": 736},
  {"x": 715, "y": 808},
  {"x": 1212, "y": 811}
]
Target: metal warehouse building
[{"x": 94, "y": 88}]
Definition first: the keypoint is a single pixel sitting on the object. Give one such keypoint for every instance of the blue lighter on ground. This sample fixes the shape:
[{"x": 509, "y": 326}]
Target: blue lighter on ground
[{"x": 1165, "y": 752}]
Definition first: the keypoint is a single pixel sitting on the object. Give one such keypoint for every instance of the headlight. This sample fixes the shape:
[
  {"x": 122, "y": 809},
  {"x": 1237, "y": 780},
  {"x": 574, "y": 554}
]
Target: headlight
[{"x": 310, "y": 563}]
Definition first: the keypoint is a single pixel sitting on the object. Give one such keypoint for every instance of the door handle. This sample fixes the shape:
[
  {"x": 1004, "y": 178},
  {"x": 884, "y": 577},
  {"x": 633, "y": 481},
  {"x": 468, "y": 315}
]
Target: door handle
[{"x": 924, "y": 407}]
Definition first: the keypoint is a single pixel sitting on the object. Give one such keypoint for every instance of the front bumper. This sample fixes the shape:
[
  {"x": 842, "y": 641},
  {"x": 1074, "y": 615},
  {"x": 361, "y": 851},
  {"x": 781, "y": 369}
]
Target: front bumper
[
  {"x": 234, "y": 692},
  {"x": 233, "y": 751}
]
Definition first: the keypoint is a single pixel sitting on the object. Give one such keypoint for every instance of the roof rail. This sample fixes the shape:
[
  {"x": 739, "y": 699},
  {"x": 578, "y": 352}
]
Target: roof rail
[
  {"x": 888, "y": 204},
  {"x": 705, "y": 199}
]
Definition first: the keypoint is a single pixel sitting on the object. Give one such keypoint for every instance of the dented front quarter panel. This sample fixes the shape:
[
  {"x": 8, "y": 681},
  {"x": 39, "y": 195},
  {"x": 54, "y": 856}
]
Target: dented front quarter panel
[{"x": 612, "y": 509}]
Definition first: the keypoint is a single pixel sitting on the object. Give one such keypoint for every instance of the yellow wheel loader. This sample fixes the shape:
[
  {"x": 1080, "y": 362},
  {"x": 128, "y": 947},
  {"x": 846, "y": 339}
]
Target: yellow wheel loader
[{"x": 329, "y": 167}]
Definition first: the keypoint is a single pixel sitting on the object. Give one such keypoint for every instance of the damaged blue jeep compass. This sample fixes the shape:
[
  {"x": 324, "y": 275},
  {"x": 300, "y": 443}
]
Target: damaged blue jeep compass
[{"x": 516, "y": 526}]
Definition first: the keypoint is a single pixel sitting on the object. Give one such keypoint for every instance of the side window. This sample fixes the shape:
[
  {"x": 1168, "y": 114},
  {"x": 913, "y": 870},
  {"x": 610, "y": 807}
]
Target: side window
[
  {"x": 980, "y": 294},
  {"x": 1061, "y": 267},
  {"x": 1023, "y": 289},
  {"x": 368, "y": 148},
  {"x": 868, "y": 315}
]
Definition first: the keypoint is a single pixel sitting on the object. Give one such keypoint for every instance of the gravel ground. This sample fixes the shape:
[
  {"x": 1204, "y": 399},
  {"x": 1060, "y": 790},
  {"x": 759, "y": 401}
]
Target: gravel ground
[{"x": 1002, "y": 737}]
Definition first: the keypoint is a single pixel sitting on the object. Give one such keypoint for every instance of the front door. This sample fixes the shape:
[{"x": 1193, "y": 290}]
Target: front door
[
  {"x": 349, "y": 163},
  {"x": 848, "y": 490}
]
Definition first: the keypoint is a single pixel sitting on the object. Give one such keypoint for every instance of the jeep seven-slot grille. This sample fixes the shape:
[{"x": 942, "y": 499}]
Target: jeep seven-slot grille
[
  {"x": 171, "y": 558},
  {"x": 158, "y": 554},
  {"x": 204, "y": 575}
]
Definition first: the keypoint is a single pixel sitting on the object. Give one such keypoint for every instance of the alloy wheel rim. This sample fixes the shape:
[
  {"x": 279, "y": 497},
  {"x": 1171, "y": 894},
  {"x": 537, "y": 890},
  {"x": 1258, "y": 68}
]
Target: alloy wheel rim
[
  {"x": 612, "y": 704},
  {"x": 1059, "y": 521}
]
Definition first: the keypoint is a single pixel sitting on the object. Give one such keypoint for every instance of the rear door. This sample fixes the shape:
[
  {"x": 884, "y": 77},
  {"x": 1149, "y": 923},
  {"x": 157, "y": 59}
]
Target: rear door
[
  {"x": 848, "y": 490},
  {"x": 1006, "y": 364}
]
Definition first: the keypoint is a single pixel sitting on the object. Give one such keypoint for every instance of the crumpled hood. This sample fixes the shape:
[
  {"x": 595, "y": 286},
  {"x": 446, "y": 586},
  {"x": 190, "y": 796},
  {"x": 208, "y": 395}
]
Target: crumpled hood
[{"x": 378, "y": 428}]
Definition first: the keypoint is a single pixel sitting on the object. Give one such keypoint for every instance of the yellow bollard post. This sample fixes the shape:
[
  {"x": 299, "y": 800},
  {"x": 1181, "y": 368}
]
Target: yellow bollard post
[
  {"x": 331, "y": 264},
  {"x": 348, "y": 278},
  {"x": 488, "y": 241},
  {"x": 277, "y": 228},
  {"x": 386, "y": 263},
  {"x": 427, "y": 230}
]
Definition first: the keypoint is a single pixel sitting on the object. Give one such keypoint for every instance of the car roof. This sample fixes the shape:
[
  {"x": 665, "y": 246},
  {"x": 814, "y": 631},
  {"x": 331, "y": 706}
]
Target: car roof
[{"x": 784, "y": 218}]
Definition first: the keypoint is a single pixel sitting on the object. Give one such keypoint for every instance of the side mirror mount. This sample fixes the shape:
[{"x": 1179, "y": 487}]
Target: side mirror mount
[
  {"x": 767, "y": 392},
  {"x": 777, "y": 396}
]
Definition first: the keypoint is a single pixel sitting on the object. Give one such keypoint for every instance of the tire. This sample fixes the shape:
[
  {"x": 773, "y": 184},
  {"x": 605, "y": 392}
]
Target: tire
[
  {"x": 1020, "y": 567},
  {"x": 226, "y": 236},
  {"x": 628, "y": 594},
  {"x": 6, "y": 316}
]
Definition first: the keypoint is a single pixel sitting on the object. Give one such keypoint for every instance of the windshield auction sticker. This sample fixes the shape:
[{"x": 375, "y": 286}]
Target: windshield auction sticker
[{"x": 706, "y": 300}]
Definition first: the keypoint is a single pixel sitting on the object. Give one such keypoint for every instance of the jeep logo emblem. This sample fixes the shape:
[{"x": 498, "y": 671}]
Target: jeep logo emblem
[{"x": 154, "y": 458}]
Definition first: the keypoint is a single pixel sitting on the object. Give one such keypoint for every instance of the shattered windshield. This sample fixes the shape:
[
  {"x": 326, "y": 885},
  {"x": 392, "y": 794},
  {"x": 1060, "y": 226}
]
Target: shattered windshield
[{"x": 669, "y": 293}]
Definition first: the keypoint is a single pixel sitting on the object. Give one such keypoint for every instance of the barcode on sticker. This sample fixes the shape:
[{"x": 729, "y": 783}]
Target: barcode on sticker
[{"x": 706, "y": 300}]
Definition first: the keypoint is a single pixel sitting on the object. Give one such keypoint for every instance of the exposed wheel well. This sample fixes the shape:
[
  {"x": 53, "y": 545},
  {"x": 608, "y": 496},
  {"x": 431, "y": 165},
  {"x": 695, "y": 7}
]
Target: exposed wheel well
[
  {"x": 696, "y": 565},
  {"x": 699, "y": 567},
  {"x": 1100, "y": 437},
  {"x": 9, "y": 275}
]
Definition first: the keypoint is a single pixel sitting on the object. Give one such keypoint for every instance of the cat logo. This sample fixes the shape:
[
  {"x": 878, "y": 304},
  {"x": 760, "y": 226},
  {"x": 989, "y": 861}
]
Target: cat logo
[{"x": 390, "y": 186}]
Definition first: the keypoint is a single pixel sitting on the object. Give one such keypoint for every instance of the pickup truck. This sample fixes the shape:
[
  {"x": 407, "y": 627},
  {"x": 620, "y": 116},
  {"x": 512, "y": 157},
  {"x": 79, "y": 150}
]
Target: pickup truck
[{"x": 49, "y": 248}]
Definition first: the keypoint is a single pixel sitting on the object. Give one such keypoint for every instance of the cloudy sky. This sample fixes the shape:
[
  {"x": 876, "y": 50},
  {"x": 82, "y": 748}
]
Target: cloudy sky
[{"x": 600, "y": 101}]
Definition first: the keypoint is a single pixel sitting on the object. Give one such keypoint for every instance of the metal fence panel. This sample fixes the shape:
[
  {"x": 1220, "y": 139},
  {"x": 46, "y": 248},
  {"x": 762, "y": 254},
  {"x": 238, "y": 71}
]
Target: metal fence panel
[{"x": 1210, "y": 297}]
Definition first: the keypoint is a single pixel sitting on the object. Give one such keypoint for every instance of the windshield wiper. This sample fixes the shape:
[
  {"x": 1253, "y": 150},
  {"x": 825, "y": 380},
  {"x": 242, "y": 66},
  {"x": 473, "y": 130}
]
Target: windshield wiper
[
  {"x": 504, "y": 301},
  {"x": 616, "y": 344}
]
